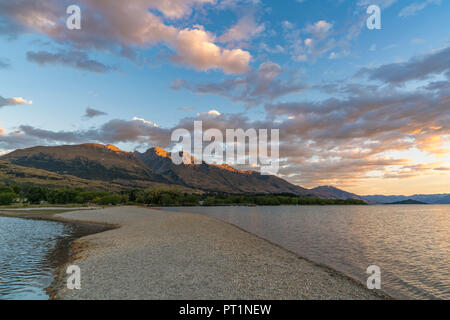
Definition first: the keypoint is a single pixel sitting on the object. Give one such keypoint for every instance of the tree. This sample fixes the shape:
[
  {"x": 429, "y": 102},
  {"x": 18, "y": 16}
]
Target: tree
[
  {"x": 7, "y": 198},
  {"x": 36, "y": 194}
]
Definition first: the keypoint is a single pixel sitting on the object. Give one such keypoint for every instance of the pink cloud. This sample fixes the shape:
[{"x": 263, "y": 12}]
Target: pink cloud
[{"x": 111, "y": 25}]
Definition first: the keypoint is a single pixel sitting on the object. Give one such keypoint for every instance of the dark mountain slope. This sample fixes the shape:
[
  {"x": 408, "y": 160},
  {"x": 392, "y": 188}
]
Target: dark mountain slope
[
  {"x": 88, "y": 161},
  {"x": 221, "y": 178},
  {"x": 155, "y": 168},
  {"x": 11, "y": 174}
]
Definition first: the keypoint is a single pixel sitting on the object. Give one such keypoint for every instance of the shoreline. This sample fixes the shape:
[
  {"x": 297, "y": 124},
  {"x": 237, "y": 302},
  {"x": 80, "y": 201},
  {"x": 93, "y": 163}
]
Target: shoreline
[
  {"x": 91, "y": 252},
  {"x": 62, "y": 254},
  {"x": 380, "y": 293}
]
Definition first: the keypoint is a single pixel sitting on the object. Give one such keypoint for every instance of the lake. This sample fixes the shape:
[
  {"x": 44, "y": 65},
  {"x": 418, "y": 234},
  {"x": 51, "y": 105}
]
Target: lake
[
  {"x": 31, "y": 251},
  {"x": 410, "y": 243},
  {"x": 27, "y": 256}
]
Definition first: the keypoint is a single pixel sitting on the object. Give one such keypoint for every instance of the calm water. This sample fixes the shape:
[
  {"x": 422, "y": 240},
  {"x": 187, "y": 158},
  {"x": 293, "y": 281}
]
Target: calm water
[
  {"x": 27, "y": 256},
  {"x": 411, "y": 244}
]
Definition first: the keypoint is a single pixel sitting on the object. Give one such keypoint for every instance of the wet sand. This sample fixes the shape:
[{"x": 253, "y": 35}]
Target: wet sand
[{"x": 154, "y": 254}]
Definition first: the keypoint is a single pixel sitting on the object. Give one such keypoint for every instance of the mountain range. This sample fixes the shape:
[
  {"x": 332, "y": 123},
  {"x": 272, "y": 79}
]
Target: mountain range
[
  {"x": 95, "y": 165},
  {"x": 105, "y": 167}
]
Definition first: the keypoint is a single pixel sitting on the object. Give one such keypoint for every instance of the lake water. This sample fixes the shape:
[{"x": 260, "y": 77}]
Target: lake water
[
  {"x": 410, "y": 243},
  {"x": 27, "y": 256}
]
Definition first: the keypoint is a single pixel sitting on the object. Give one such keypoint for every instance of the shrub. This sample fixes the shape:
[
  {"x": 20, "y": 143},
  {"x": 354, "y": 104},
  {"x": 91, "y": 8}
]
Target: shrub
[
  {"x": 7, "y": 198},
  {"x": 112, "y": 199},
  {"x": 36, "y": 194}
]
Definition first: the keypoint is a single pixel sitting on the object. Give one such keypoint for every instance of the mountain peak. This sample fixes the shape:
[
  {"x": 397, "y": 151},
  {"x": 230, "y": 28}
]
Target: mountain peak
[
  {"x": 161, "y": 152},
  {"x": 112, "y": 148},
  {"x": 230, "y": 168},
  {"x": 97, "y": 145}
]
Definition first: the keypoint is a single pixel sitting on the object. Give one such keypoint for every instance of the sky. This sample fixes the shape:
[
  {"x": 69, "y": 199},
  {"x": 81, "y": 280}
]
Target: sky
[{"x": 365, "y": 110}]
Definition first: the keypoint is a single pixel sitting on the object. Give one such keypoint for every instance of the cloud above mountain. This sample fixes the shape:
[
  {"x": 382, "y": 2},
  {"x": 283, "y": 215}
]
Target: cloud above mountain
[
  {"x": 120, "y": 28},
  {"x": 263, "y": 84}
]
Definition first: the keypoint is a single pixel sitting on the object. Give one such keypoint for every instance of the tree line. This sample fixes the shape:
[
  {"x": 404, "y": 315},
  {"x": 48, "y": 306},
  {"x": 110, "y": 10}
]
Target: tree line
[{"x": 153, "y": 197}]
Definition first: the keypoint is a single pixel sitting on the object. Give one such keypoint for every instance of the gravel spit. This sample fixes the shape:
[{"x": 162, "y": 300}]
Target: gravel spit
[{"x": 166, "y": 255}]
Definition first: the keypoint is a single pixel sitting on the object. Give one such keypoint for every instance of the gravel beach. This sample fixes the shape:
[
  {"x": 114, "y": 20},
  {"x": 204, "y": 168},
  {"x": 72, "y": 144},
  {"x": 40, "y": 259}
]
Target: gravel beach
[{"x": 156, "y": 254}]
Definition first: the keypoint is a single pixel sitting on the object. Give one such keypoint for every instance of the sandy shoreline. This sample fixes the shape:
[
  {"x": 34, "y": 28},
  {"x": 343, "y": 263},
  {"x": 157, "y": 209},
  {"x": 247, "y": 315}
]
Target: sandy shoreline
[
  {"x": 155, "y": 254},
  {"x": 63, "y": 250}
]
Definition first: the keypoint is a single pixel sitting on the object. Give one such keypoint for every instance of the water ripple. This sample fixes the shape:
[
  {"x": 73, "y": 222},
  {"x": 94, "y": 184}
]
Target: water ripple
[{"x": 25, "y": 246}]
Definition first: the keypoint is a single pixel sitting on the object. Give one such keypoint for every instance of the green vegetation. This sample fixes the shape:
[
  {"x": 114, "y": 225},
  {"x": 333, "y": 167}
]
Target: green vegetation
[
  {"x": 274, "y": 200},
  {"x": 168, "y": 197},
  {"x": 8, "y": 195},
  {"x": 152, "y": 197}
]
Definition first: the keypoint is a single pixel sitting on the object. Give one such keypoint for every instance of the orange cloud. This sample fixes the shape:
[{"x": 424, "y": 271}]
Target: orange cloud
[
  {"x": 13, "y": 101},
  {"x": 196, "y": 47},
  {"x": 111, "y": 24}
]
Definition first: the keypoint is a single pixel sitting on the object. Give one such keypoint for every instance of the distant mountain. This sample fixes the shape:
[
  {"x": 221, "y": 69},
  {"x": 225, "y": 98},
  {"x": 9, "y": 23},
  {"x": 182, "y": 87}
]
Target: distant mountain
[
  {"x": 335, "y": 193},
  {"x": 384, "y": 199},
  {"x": 409, "y": 201},
  {"x": 109, "y": 164},
  {"x": 426, "y": 198}
]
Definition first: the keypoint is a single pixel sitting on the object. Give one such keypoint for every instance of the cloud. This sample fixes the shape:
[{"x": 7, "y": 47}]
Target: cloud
[
  {"x": 319, "y": 29},
  {"x": 417, "y": 68},
  {"x": 210, "y": 113},
  {"x": 237, "y": 4},
  {"x": 146, "y": 122},
  {"x": 318, "y": 39},
  {"x": 75, "y": 59},
  {"x": 13, "y": 101},
  {"x": 195, "y": 47},
  {"x": 121, "y": 28},
  {"x": 415, "y": 7},
  {"x": 92, "y": 113},
  {"x": 263, "y": 84},
  {"x": 114, "y": 131},
  {"x": 176, "y": 9},
  {"x": 244, "y": 29}
]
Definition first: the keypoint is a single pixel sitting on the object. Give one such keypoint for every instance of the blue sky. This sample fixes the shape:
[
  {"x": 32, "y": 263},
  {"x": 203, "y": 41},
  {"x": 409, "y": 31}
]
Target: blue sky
[{"x": 296, "y": 54}]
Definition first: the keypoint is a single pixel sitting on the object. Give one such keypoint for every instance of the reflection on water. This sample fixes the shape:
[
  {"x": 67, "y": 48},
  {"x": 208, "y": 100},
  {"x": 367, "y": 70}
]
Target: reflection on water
[
  {"x": 411, "y": 244},
  {"x": 26, "y": 256}
]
